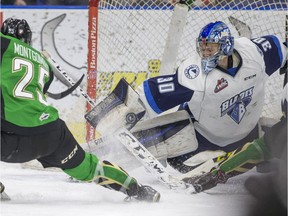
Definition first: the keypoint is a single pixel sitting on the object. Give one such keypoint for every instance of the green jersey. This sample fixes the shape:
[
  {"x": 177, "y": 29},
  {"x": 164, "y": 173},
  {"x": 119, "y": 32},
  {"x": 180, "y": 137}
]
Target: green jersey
[{"x": 25, "y": 77}]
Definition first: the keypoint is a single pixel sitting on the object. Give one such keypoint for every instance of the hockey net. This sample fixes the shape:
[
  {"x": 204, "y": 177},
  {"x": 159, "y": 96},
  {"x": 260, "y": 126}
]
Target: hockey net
[
  {"x": 132, "y": 39},
  {"x": 134, "y": 36},
  {"x": 138, "y": 39}
]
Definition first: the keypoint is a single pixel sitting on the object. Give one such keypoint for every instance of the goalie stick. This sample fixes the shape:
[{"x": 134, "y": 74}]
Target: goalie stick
[
  {"x": 150, "y": 162},
  {"x": 128, "y": 140},
  {"x": 176, "y": 28},
  {"x": 198, "y": 170},
  {"x": 242, "y": 28}
]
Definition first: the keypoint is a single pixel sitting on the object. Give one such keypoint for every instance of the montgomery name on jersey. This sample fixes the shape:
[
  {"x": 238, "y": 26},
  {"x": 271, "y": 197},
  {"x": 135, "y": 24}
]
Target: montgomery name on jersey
[{"x": 225, "y": 104}]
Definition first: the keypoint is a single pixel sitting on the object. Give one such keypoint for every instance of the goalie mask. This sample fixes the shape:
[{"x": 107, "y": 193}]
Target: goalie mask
[
  {"x": 214, "y": 40},
  {"x": 18, "y": 29}
]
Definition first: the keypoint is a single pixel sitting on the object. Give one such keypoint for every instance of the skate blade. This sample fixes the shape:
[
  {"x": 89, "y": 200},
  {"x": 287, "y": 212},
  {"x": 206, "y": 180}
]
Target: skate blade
[{"x": 4, "y": 197}]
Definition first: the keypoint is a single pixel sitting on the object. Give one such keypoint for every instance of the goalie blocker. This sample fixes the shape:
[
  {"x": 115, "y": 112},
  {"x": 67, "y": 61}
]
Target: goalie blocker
[{"x": 165, "y": 136}]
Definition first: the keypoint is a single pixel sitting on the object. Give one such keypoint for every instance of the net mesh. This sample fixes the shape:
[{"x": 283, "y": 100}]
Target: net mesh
[{"x": 132, "y": 37}]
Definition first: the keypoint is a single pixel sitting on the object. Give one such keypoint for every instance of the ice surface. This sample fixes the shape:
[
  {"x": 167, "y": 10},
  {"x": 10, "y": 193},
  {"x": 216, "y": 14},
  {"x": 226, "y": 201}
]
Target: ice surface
[{"x": 50, "y": 193}]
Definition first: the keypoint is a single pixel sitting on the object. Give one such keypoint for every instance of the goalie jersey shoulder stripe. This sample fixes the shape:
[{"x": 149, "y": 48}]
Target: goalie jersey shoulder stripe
[{"x": 273, "y": 51}]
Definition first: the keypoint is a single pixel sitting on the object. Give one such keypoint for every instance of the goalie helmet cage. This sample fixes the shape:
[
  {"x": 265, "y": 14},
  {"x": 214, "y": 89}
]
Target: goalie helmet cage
[{"x": 130, "y": 38}]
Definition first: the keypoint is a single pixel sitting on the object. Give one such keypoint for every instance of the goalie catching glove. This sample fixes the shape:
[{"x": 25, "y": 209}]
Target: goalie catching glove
[{"x": 121, "y": 108}]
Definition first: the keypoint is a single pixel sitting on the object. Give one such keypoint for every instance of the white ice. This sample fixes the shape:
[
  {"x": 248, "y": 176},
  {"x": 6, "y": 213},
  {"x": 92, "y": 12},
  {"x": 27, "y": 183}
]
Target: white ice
[{"x": 50, "y": 193}]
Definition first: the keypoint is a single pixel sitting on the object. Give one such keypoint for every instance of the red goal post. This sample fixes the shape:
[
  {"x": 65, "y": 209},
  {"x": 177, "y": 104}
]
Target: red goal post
[
  {"x": 92, "y": 60},
  {"x": 136, "y": 39}
]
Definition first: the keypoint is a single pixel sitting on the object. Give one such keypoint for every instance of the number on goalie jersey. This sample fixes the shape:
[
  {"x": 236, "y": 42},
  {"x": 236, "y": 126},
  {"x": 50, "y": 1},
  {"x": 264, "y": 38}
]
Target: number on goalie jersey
[
  {"x": 222, "y": 87},
  {"x": 31, "y": 128}
]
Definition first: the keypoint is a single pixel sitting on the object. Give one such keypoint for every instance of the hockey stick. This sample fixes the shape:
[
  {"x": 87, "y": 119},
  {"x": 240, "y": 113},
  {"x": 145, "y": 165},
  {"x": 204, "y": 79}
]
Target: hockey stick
[
  {"x": 63, "y": 73},
  {"x": 198, "y": 170},
  {"x": 149, "y": 161},
  {"x": 63, "y": 94},
  {"x": 176, "y": 28},
  {"x": 128, "y": 140},
  {"x": 242, "y": 28}
]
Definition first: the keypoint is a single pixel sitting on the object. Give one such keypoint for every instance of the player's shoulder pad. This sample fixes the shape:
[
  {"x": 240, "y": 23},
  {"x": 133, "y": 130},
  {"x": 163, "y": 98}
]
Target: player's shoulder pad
[
  {"x": 190, "y": 73},
  {"x": 248, "y": 50}
]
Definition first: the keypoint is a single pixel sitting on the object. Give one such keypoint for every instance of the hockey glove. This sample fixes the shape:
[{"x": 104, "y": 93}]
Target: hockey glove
[
  {"x": 207, "y": 180},
  {"x": 189, "y": 3}
]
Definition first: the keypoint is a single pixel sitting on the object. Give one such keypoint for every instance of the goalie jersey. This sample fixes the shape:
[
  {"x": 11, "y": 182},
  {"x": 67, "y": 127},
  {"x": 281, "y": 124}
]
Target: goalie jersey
[{"x": 224, "y": 104}]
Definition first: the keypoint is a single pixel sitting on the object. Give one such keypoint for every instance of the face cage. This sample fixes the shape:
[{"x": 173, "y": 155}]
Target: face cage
[
  {"x": 199, "y": 50},
  {"x": 211, "y": 62}
]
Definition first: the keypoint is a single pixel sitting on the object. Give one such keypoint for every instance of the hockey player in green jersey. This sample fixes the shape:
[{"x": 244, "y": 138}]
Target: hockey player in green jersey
[{"x": 31, "y": 128}]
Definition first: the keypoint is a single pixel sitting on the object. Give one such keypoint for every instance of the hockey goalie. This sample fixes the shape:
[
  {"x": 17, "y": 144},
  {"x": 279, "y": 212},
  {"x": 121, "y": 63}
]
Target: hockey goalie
[{"x": 218, "y": 93}]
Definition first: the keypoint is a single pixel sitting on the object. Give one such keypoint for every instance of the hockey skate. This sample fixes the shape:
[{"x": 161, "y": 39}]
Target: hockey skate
[
  {"x": 143, "y": 193},
  {"x": 4, "y": 196}
]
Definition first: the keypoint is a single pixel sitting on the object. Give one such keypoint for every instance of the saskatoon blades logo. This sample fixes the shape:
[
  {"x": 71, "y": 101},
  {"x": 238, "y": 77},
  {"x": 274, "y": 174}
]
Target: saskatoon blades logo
[
  {"x": 192, "y": 71},
  {"x": 235, "y": 107}
]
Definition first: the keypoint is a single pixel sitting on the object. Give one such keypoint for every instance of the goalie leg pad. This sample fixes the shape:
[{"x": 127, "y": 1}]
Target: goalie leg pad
[
  {"x": 121, "y": 108},
  {"x": 168, "y": 135}
]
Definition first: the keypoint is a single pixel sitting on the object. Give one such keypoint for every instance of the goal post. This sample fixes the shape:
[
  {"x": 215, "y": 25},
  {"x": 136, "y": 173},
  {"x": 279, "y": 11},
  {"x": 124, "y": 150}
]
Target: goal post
[
  {"x": 92, "y": 61},
  {"x": 133, "y": 36}
]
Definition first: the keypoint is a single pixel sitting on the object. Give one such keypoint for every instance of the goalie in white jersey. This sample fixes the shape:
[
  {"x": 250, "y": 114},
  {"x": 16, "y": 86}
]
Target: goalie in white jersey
[
  {"x": 222, "y": 89},
  {"x": 221, "y": 86}
]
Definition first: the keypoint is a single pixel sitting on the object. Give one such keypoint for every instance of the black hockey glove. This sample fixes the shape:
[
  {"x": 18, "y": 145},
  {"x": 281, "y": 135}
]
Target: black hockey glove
[
  {"x": 189, "y": 3},
  {"x": 207, "y": 180}
]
